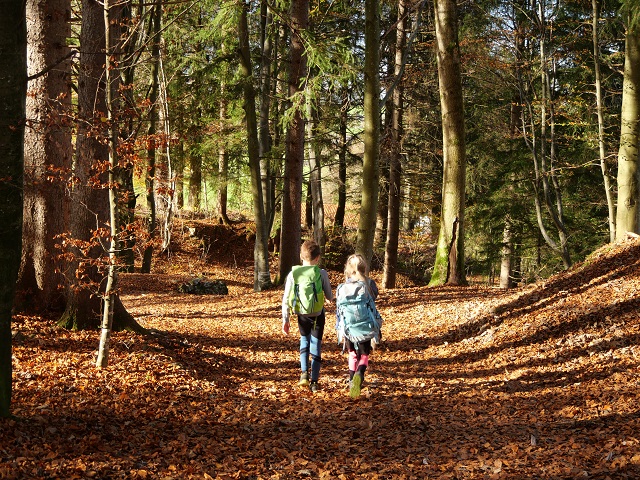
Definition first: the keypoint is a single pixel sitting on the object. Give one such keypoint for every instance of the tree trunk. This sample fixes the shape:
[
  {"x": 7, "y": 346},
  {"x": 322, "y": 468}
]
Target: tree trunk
[
  {"x": 370, "y": 173},
  {"x": 150, "y": 178},
  {"x": 308, "y": 207},
  {"x": 384, "y": 166},
  {"x": 546, "y": 185},
  {"x": 195, "y": 180},
  {"x": 338, "y": 221},
  {"x": 124, "y": 171},
  {"x": 47, "y": 155},
  {"x": 168, "y": 196},
  {"x": 223, "y": 167},
  {"x": 13, "y": 84},
  {"x": 179, "y": 173},
  {"x": 395, "y": 163},
  {"x": 90, "y": 206},
  {"x": 264, "y": 136},
  {"x": 315, "y": 179},
  {"x": 606, "y": 175},
  {"x": 506, "y": 264},
  {"x": 294, "y": 149},
  {"x": 112, "y": 138},
  {"x": 628, "y": 171},
  {"x": 451, "y": 238},
  {"x": 261, "y": 273}
]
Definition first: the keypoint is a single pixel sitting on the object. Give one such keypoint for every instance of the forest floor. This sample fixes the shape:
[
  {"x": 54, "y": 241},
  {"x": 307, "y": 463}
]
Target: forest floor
[{"x": 542, "y": 381}]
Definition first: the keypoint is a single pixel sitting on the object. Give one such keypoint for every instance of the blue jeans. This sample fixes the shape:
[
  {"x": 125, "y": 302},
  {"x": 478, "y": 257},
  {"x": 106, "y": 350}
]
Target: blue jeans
[{"x": 311, "y": 331}]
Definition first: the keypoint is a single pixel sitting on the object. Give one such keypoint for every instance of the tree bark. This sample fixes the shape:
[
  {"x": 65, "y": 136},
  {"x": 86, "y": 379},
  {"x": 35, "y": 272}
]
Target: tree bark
[
  {"x": 264, "y": 135},
  {"x": 90, "y": 205},
  {"x": 370, "y": 172},
  {"x": 547, "y": 191},
  {"x": 628, "y": 172},
  {"x": 315, "y": 180},
  {"x": 395, "y": 163},
  {"x": 108, "y": 296},
  {"x": 223, "y": 165},
  {"x": 128, "y": 131},
  {"x": 294, "y": 148},
  {"x": 13, "y": 84},
  {"x": 150, "y": 178},
  {"x": 179, "y": 173},
  {"x": 262, "y": 276},
  {"x": 195, "y": 180},
  {"x": 338, "y": 221},
  {"x": 606, "y": 175},
  {"x": 47, "y": 156},
  {"x": 451, "y": 237},
  {"x": 506, "y": 264}
]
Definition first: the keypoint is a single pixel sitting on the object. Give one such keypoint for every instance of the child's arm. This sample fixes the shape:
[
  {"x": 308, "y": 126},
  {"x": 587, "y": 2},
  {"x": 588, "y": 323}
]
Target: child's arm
[
  {"x": 374, "y": 288},
  {"x": 326, "y": 285},
  {"x": 288, "y": 285}
]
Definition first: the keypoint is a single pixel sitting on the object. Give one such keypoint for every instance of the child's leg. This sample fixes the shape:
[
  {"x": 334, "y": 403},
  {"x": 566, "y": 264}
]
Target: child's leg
[
  {"x": 353, "y": 360},
  {"x": 364, "y": 350},
  {"x": 317, "y": 331},
  {"x": 355, "y": 375},
  {"x": 305, "y": 342}
]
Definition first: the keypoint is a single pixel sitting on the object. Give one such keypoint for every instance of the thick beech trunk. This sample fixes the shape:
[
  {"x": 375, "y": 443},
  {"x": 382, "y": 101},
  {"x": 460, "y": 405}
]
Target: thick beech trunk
[
  {"x": 628, "y": 172},
  {"x": 449, "y": 263}
]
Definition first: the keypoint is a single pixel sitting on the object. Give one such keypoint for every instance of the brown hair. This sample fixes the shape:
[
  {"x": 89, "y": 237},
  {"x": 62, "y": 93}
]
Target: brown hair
[{"x": 309, "y": 250}]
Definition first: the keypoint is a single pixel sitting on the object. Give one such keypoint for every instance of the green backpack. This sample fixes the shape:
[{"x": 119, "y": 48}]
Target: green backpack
[{"x": 307, "y": 296}]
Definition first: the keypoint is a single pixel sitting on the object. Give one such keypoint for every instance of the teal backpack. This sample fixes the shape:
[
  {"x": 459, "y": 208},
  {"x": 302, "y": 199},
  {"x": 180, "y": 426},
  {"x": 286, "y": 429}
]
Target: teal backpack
[
  {"x": 306, "y": 296},
  {"x": 358, "y": 317}
]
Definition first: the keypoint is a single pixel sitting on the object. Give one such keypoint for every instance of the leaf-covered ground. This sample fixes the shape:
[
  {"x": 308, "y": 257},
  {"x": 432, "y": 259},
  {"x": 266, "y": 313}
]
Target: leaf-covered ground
[{"x": 538, "y": 382}]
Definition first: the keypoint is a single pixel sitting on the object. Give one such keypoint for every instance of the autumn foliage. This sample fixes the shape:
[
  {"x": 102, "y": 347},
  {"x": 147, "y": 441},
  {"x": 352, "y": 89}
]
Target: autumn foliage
[{"x": 475, "y": 382}]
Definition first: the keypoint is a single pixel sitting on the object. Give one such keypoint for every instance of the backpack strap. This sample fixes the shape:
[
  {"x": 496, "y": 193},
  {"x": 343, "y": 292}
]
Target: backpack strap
[
  {"x": 315, "y": 292},
  {"x": 296, "y": 296}
]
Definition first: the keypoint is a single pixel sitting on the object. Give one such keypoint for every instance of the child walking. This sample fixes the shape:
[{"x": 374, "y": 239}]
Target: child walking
[
  {"x": 359, "y": 322},
  {"x": 306, "y": 288}
]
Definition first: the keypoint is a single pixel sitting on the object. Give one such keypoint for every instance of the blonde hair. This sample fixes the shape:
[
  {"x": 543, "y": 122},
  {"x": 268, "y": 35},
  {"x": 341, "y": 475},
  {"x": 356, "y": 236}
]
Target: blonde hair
[{"x": 356, "y": 267}]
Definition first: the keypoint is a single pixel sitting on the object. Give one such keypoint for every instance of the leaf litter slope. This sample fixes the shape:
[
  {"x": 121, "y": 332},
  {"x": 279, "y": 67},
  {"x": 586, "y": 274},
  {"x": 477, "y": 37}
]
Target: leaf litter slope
[{"x": 539, "y": 382}]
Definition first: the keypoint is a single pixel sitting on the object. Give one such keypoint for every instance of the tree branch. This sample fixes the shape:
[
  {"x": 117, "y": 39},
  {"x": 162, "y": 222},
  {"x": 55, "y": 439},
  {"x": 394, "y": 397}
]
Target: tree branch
[{"x": 51, "y": 67}]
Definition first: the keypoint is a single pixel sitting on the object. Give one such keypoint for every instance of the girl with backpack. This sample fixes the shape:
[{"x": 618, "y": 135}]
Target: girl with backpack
[{"x": 358, "y": 320}]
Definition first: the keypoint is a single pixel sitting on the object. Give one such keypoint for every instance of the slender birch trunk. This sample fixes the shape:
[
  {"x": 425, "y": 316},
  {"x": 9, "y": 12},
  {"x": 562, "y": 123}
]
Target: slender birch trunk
[{"x": 108, "y": 295}]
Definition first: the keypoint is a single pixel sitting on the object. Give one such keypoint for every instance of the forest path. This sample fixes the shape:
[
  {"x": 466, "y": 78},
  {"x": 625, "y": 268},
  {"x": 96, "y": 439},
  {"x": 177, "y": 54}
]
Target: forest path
[{"x": 474, "y": 382}]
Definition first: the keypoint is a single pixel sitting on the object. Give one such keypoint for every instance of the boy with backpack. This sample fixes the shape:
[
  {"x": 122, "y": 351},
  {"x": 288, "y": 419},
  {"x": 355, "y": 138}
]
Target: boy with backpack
[
  {"x": 306, "y": 288},
  {"x": 358, "y": 320}
]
